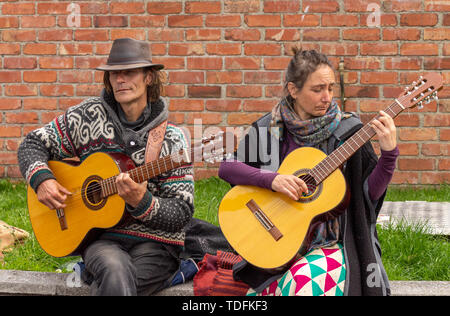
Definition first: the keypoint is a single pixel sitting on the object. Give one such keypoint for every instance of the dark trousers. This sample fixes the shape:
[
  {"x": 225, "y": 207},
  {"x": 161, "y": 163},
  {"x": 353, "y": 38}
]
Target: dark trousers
[{"x": 126, "y": 269}]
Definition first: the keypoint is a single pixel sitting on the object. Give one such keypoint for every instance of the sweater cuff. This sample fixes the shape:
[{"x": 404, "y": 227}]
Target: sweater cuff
[
  {"x": 143, "y": 206},
  {"x": 39, "y": 177}
]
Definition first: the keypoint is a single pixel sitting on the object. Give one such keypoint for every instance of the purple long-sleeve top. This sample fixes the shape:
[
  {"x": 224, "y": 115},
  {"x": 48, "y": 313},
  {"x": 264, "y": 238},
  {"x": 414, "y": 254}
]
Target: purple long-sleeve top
[{"x": 239, "y": 173}]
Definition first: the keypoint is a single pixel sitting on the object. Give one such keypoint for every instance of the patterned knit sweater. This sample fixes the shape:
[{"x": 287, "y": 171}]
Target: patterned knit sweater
[{"x": 95, "y": 125}]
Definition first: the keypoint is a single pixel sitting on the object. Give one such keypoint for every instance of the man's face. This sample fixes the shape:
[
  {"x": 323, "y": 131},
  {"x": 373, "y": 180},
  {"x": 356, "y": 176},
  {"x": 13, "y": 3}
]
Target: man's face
[{"x": 130, "y": 86}]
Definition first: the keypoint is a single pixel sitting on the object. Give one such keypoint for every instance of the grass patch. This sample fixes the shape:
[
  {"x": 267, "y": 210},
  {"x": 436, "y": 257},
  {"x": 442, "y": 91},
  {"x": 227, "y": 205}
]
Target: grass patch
[{"x": 409, "y": 252}]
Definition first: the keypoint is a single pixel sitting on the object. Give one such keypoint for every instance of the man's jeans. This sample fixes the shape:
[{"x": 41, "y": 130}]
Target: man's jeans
[{"x": 122, "y": 268}]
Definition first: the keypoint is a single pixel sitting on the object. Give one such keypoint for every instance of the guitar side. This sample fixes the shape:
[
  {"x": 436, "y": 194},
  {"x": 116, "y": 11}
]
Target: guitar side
[
  {"x": 82, "y": 219},
  {"x": 293, "y": 219}
]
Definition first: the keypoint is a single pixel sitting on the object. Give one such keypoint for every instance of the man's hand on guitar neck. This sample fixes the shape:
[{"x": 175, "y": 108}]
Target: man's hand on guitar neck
[
  {"x": 290, "y": 185},
  {"x": 52, "y": 194},
  {"x": 131, "y": 192}
]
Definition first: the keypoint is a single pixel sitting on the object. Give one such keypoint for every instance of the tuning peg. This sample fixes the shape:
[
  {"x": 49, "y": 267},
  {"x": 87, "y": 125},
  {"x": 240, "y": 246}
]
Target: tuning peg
[
  {"x": 420, "y": 105},
  {"x": 427, "y": 100}
]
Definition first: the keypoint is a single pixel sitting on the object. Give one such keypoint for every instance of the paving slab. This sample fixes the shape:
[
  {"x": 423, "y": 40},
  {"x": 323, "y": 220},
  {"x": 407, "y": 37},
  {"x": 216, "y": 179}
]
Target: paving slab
[
  {"x": 13, "y": 282},
  {"x": 435, "y": 214}
]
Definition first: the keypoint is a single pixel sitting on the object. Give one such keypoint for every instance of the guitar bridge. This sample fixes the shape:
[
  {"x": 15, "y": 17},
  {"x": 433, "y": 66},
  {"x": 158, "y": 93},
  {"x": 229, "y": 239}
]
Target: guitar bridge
[{"x": 264, "y": 220}]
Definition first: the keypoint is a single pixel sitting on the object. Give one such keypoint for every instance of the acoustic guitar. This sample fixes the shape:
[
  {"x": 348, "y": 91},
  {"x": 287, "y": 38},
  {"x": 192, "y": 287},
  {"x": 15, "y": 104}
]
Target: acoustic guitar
[
  {"x": 94, "y": 203},
  {"x": 268, "y": 228}
]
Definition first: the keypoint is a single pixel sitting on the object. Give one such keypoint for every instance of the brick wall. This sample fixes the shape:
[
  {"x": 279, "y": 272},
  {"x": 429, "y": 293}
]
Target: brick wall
[{"x": 225, "y": 62}]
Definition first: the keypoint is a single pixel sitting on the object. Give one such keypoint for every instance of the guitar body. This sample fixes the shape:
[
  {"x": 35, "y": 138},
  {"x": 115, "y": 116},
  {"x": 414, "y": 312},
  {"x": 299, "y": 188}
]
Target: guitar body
[
  {"x": 295, "y": 220},
  {"x": 86, "y": 211}
]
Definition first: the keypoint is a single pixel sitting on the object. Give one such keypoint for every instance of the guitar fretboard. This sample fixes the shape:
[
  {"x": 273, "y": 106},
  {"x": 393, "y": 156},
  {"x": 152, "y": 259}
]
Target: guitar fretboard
[{"x": 323, "y": 169}]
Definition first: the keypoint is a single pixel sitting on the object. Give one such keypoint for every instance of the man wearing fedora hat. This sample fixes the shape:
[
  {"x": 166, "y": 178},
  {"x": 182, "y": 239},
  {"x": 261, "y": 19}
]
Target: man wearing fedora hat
[{"x": 138, "y": 255}]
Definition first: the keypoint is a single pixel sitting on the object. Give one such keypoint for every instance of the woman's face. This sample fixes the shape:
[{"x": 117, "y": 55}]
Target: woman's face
[{"x": 316, "y": 94}]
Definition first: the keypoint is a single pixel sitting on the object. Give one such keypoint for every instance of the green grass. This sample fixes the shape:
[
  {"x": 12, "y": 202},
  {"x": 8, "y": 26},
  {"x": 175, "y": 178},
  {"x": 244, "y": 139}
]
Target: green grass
[
  {"x": 409, "y": 252},
  {"x": 432, "y": 194}
]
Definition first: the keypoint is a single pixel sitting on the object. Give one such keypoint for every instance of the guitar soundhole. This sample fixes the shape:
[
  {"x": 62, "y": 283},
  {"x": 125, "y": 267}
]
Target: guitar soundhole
[
  {"x": 92, "y": 193},
  {"x": 314, "y": 190}
]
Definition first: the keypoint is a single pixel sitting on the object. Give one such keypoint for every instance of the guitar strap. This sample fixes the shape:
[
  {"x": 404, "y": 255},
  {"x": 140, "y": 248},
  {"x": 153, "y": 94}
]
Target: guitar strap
[{"x": 154, "y": 142}]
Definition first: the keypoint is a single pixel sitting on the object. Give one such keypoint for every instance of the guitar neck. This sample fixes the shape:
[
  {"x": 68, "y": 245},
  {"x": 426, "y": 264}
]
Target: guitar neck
[
  {"x": 323, "y": 169},
  {"x": 149, "y": 170}
]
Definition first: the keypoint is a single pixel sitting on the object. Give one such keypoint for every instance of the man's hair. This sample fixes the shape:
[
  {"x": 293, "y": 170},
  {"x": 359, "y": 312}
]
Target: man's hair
[
  {"x": 154, "y": 90},
  {"x": 302, "y": 64}
]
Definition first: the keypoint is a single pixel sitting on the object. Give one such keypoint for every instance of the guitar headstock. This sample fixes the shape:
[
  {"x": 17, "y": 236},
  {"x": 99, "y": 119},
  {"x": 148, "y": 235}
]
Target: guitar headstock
[
  {"x": 215, "y": 147},
  {"x": 424, "y": 90}
]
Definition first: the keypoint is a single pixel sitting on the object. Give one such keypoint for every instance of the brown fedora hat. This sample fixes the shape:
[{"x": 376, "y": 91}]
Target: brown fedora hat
[{"x": 128, "y": 53}]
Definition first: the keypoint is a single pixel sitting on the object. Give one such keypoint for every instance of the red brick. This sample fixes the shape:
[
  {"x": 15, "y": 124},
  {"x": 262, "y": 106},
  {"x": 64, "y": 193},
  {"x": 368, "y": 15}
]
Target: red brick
[
  {"x": 39, "y": 76},
  {"x": 204, "y": 91},
  {"x": 19, "y": 62},
  {"x": 128, "y": 7},
  {"x": 276, "y": 63},
  {"x": 244, "y": 91},
  {"x": 283, "y": 35},
  {"x": 223, "y": 77},
  {"x": 222, "y": 20},
  {"x": 57, "y": 90},
  {"x": 21, "y": 118},
  {"x": 206, "y": 63},
  {"x": 110, "y": 21},
  {"x": 203, "y": 7},
  {"x": 186, "y": 77},
  {"x": 19, "y": 35},
  {"x": 39, "y": 49},
  {"x": 403, "y": 63},
  {"x": 185, "y": 20},
  {"x": 52, "y": 8},
  {"x": 241, "y": 63},
  {"x": 418, "y": 19},
  {"x": 321, "y": 35},
  {"x": 186, "y": 49},
  {"x": 264, "y": 77},
  {"x": 10, "y": 49},
  {"x": 9, "y": 104},
  {"x": 223, "y": 49},
  {"x": 435, "y": 177},
  {"x": 378, "y": 49},
  {"x": 302, "y": 20},
  {"x": 259, "y": 105},
  {"x": 21, "y": 8},
  {"x": 320, "y": 6},
  {"x": 206, "y": 118},
  {"x": 361, "y": 34},
  {"x": 258, "y": 49},
  {"x": 91, "y": 35},
  {"x": 56, "y": 62},
  {"x": 21, "y": 90},
  {"x": 362, "y": 63},
  {"x": 9, "y": 22},
  {"x": 339, "y": 20},
  {"x": 242, "y": 35},
  {"x": 203, "y": 35},
  {"x": 160, "y": 7},
  {"x": 419, "y": 49},
  {"x": 262, "y": 20},
  {"x": 39, "y": 104},
  {"x": 417, "y": 134},
  {"x": 435, "y": 149},
  {"x": 416, "y": 164},
  {"x": 10, "y": 131},
  {"x": 242, "y": 6},
  {"x": 281, "y": 6},
  {"x": 10, "y": 76},
  {"x": 55, "y": 35},
  {"x": 38, "y": 21},
  {"x": 379, "y": 77},
  {"x": 128, "y": 32},
  {"x": 436, "y": 34},
  {"x": 242, "y": 118},
  {"x": 223, "y": 105},
  {"x": 149, "y": 21}
]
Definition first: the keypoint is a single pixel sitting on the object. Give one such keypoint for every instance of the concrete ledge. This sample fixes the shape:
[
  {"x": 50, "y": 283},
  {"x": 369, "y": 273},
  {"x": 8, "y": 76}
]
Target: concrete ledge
[{"x": 13, "y": 282}]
